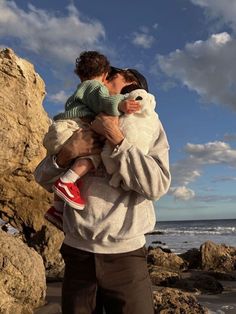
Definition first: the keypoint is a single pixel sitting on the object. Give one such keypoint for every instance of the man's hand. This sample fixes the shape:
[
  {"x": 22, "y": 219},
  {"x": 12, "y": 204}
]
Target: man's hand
[
  {"x": 129, "y": 106},
  {"x": 82, "y": 143},
  {"x": 108, "y": 126}
]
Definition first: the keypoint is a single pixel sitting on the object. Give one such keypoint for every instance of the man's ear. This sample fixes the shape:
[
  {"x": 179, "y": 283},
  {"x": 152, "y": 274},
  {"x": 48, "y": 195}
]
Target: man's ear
[{"x": 104, "y": 77}]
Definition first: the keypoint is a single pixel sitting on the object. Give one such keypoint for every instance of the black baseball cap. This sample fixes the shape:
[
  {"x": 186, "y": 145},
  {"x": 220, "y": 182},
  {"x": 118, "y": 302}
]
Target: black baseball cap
[{"x": 142, "y": 82}]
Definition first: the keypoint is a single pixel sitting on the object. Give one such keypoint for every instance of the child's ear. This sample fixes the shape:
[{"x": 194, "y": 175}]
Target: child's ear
[{"x": 104, "y": 77}]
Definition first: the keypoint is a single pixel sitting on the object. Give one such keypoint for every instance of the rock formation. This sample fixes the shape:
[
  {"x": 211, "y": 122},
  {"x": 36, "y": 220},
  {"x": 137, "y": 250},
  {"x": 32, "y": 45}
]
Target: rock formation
[
  {"x": 218, "y": 257},
  {"x": 173, "y": 301},
  {"x": 166, "y": 260},
  {"x": 22, "y": 277},
  {"x": 23, "y": 124}
]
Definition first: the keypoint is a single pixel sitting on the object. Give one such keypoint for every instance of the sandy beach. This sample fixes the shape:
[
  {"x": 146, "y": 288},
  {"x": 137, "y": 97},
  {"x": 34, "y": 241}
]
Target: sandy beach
[
  {"x": 224, "y": 303},
  {"x": 53, "y": 300}
]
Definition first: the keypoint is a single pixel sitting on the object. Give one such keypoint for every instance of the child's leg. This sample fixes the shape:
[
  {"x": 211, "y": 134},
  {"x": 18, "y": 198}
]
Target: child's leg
[
  {"x": 55, "y": 212},
  {"x": 66, "y": 187},
  {"x": 78, "y": 169}
]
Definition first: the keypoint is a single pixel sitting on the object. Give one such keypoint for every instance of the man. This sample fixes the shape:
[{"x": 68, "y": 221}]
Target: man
[{"x": 104, "y": 248}]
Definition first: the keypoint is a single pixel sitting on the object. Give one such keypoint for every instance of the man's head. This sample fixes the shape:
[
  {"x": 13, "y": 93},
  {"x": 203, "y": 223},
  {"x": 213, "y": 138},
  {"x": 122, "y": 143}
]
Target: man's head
[
  {"x": 118, "y": 79},
  {"x": 90, "y": 65}
]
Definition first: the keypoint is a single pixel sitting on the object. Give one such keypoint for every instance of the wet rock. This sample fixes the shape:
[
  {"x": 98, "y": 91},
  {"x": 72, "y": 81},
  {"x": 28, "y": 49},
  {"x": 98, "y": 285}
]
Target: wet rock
[
  {"x": 155, "y": 232},
  {"x": 158, "y": 242},
  {"x": 192, "y": 258},
  {"x": 199, "y": 283},
  {"x": 160, "y": 277},
  {"x": 221, "y": 276},
  {"x": 173, "y": 301}
]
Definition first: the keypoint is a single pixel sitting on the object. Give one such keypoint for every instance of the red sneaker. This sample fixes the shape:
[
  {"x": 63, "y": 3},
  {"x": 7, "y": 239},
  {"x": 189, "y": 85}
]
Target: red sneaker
[
  {"x": 55, "y": 217},
  {"x": 70, "y": 193}
]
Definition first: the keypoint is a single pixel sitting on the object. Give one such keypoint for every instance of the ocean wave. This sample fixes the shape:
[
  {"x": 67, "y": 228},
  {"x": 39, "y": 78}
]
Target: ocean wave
[{"x": 192, "y": 231}]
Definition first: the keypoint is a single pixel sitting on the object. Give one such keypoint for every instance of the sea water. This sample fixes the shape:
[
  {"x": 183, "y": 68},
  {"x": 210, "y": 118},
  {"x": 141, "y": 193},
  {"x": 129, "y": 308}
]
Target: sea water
[{"x": 181, "y": 236}]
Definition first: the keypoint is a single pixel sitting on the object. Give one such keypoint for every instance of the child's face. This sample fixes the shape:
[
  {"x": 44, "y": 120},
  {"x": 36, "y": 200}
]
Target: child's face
[{"x": 116, "y": 84}]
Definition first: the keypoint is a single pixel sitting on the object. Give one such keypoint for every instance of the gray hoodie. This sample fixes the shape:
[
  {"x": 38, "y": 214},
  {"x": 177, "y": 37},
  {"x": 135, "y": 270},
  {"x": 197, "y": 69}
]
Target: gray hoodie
[{"x": 115, "y": 220}]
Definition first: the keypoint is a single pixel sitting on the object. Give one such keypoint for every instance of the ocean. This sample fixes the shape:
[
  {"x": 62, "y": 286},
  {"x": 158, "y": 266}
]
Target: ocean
[{"x": 180, "y": 236}]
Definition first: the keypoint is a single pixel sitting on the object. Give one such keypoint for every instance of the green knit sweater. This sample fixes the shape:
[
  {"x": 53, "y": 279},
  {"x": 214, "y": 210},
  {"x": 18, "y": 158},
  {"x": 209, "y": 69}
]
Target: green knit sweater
[{"x": 90, "y": 98}]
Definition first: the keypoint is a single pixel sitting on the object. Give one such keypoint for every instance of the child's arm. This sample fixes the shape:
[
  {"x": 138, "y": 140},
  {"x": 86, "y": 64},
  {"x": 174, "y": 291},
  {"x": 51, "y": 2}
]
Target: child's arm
[
  {"x": 112, "y": 105},
  {"x": 129, "y": 106},
  {"x": 91, "y": 98},
  {"x": 98, "y": 99}
]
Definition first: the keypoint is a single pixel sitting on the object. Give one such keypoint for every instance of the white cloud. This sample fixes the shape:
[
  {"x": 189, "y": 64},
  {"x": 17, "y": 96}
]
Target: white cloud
[
  {"x": 182, "y": 193},
  {"x": 220, "y": 9},
  {"x": 188, "y": 170},
  {"x": 143, "y": 40},
  {"x": 206, "y": 67},
  {"x": 184, "y": 172},
  {"x": 212, "y": 153},
  {"x": 59, "y": 97},
  {"x": 53, "y": 36}
]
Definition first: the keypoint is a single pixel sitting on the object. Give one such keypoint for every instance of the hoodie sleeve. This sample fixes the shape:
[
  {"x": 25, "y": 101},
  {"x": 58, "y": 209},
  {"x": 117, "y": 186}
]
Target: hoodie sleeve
[
  {"x": 47, "y": 172},
  {"x": 147, "y": 174}
]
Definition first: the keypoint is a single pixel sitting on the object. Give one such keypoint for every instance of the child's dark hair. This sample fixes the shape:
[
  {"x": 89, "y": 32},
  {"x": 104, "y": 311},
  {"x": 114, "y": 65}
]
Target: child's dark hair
[{"x": 91, "y": 64}]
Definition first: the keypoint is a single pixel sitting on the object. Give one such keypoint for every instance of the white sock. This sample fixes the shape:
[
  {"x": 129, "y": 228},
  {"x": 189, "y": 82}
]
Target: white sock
[
  {"x": 59, "y": 206},
  {"x": 70, "y": 176}
]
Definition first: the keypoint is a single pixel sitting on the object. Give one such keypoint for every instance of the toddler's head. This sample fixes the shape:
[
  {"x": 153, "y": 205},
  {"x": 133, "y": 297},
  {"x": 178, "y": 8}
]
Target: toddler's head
[{"x": 90, "y": 65}]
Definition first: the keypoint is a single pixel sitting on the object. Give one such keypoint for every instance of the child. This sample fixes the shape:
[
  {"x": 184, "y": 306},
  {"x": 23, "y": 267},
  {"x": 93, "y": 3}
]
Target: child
[{"x": 90, "y": 98}]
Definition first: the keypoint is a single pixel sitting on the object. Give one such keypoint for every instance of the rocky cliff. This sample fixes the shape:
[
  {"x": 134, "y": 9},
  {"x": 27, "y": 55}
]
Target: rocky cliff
[{"x": 23, "y": 124}]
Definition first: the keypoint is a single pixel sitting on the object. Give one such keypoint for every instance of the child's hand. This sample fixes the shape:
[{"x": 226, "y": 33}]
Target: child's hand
[{"x": 129, "y": 106}]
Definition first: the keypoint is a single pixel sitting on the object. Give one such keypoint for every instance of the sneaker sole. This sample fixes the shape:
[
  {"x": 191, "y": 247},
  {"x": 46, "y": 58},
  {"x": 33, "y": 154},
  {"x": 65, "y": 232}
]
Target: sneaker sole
[
  {"x": 67, "y": 200},
  {"x": 54, "y": 221}
]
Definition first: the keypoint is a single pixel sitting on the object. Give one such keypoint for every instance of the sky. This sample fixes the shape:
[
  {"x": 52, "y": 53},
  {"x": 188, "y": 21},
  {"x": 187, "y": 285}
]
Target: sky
[{"x": 185, "y": 48}]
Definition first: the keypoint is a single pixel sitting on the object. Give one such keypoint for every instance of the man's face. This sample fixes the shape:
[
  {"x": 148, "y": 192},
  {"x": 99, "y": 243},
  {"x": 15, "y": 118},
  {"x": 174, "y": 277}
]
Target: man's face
[{"x": 116, "y": 84}]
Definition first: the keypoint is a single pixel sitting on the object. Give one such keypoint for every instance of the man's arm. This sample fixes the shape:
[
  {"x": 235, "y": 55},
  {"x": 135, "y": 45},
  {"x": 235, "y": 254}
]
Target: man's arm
[
  {"x": 81, "y": 143},
  {"x": 147, "y": 174}
]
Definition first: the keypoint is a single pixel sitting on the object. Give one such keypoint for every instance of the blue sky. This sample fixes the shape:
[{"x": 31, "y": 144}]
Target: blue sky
[{"x": 185, "y": 48}]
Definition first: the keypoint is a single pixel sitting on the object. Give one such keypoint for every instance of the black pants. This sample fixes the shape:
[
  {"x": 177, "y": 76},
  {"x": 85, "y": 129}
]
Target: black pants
[{"x": 118, "y": 282}]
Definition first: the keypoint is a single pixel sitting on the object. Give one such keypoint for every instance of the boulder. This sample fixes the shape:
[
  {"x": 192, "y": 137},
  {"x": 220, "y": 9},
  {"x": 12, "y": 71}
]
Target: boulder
[
  {"x": 23, "y": 125},
  {"x": 160, "y": 277},
  {"x": 173, "y": 301},
  {"x": 221, "y": 276},
  {"x": 47, "y": 243},
  {"x": 218, "y": 257},
  {"x": 22, "y": 277},
  {"x": 192, "y": 258},
  {"x": 199, "y": 283},
  {"x": 165, "y": 260}
]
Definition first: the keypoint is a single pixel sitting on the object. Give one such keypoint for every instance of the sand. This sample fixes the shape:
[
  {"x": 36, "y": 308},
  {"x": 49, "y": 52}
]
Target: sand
[{"x": 224, "y": 303}]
